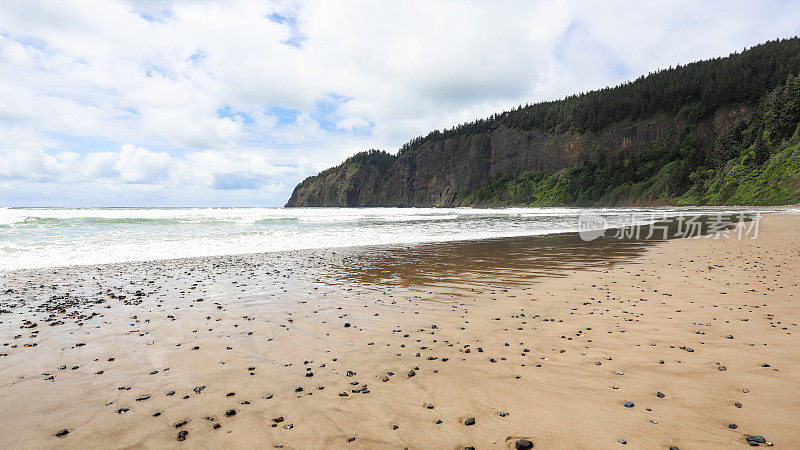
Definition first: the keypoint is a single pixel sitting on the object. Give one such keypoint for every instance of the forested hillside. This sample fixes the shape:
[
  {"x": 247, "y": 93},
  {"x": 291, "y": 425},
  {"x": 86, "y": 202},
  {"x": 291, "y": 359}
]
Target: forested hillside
[{"x": 722, "y": 131}]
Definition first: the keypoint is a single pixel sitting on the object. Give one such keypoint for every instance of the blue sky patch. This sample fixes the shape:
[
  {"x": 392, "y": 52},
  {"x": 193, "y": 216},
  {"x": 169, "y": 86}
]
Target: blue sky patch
[{"x": 296, "y": 37}]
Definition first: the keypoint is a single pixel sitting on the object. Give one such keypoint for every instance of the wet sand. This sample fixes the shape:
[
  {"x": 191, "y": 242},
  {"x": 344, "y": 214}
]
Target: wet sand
[{"x": 396, "y": 348}]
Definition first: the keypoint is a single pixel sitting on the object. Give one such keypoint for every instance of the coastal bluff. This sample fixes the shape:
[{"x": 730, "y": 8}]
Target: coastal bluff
[
  {"x": 442, "y": 173},
  {"x": 722, "y": 131}
]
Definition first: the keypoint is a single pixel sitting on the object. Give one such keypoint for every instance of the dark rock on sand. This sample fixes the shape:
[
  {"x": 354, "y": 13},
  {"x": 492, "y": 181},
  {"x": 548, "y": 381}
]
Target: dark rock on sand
[
  {"x": 470, "y": 421},
  {"x": 523, "y": 444}
]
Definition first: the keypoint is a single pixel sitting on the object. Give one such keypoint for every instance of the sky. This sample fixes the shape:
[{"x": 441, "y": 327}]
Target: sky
[{"x": 232, "y": 103}]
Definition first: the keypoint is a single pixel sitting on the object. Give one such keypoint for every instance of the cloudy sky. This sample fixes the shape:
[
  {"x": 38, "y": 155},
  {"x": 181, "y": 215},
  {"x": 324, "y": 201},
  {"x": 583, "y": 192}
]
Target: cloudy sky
[{"x": 194, "y": 103}]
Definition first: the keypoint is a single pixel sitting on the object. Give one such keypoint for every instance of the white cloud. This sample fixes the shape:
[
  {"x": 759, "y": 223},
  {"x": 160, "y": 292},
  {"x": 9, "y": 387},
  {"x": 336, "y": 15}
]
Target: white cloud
[
  {"x": 236, "y": 96},
  {"x": 139, "y": 165}
]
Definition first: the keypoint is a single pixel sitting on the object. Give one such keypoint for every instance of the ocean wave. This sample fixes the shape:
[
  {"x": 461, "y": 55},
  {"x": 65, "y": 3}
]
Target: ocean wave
[{"x": 54, "y": 221}]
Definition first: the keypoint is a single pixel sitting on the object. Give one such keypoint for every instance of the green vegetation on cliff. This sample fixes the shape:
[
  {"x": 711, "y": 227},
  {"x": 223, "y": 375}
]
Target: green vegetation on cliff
[
  {"x": 754, "y": 162},
  {"x": 692, "y": 91}
]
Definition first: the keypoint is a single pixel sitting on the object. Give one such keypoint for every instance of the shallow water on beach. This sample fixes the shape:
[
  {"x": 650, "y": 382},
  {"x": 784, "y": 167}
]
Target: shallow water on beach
[
  {"x": 54, "y": 237},
  {"x": 277, "y": 279}
]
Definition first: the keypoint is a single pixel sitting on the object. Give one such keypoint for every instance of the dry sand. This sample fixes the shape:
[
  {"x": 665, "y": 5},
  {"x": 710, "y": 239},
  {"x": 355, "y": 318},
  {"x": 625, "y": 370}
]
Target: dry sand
[{"x": 711, "y": 324}]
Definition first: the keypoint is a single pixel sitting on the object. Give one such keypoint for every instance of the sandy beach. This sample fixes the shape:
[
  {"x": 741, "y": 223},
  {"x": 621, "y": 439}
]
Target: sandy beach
[{"x": 690, "y": 343}]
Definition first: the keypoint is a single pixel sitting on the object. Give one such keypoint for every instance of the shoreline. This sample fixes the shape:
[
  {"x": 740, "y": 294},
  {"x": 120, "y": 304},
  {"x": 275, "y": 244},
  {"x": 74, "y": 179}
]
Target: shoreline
[
  {"x": 556, "y": 332},
  {"x": 767, "y": 210}
]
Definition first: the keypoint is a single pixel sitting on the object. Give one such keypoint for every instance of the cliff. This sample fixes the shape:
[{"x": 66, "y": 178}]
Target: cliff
[
  {"x": 439, "y": 173},
  {"x": 668, "y": 129}
]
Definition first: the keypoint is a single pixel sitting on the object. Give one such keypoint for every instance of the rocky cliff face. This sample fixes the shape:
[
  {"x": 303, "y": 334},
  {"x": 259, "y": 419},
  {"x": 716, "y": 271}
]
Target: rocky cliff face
[{"x": 441, "y": 173}]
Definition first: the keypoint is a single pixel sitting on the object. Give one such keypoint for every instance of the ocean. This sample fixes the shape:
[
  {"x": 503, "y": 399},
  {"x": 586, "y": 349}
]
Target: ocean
[{"x": 54, "y": 237}]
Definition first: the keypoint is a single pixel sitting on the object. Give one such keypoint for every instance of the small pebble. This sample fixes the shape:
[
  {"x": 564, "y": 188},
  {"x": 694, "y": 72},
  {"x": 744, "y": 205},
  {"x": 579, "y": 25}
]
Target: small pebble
[{"x": 523, "y": 444}]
